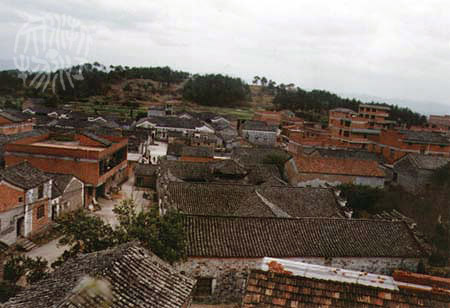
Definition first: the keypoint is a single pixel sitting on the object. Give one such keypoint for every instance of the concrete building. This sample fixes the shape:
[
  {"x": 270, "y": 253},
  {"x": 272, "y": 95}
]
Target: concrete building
[
  {"x": 25, "y": 203},
  {"x": 67, "y": 194},
  {"x": 100, "y": 162},
  {"x": 258, "y": 132}
]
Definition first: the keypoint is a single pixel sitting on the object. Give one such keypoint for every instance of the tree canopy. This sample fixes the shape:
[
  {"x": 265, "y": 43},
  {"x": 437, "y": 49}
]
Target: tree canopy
[{"x": 216, "y": 90}]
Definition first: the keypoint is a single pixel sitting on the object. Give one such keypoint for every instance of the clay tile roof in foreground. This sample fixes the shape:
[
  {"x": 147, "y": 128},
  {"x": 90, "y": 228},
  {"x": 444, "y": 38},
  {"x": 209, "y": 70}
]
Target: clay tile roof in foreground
[
  {"x": 342, "y": 166},
  {"x": 284, "y": 289},
  {"x": 251, "y": 237},
  {"x": 136, "y": 276}
]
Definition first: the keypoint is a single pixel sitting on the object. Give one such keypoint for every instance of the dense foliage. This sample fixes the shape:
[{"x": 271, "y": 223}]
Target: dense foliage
[
  {"x": 322, "y": 101},
  {"x": 162, "y": 234},
  {"x": 362, "y": 199},
  {"x": 216, "y": 90},
  {"x": 82, "y": 81},
  {"x": 19, "y": 265}
]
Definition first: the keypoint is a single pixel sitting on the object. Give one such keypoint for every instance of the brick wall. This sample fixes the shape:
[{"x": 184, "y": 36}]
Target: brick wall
[
  {"x": 230, "y": 274},
  {"x": 10, "y": 197},
  {"x": 39, "y": 224}
]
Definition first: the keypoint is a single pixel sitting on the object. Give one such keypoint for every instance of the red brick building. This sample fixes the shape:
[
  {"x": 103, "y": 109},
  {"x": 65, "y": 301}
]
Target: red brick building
[
  {"x": 440, "y": 121},
  {"x": 100, "y": 162},
  {"x": 10, "y": 124},
  {"x": 394, "y": 144},
  {"x": 353, "y": 129}
]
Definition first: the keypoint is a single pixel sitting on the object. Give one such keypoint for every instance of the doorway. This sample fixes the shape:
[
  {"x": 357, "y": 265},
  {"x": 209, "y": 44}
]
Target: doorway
[{"x": 20, "y": 227}]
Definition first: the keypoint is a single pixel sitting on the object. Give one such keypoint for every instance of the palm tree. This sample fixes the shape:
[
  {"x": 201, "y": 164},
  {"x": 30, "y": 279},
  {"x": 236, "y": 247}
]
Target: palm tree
[
  {"x": 263, "y": 81},
  {"x": 256, "y": 80}
]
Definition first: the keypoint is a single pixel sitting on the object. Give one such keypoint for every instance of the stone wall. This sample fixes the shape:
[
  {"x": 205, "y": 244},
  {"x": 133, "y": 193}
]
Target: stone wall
[{"x": 229, "y": 275}]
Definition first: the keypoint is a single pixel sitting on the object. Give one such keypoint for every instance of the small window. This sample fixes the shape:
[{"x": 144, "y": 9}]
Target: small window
[
  {"x": 40, "y": 212},
  {"x": 40, "y": 191},
  {"x": 20, "y": 199},
  {"x": 204, "y": 287}
]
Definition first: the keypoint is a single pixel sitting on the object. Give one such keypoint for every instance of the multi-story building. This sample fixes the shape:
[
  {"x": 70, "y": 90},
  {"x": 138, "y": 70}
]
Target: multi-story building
[
  {"x": 24, "y": 206},
  {"x": 440, "y": 121},
  {"x": 353, "y": 129},
  {"x": 394, "y": 144},
  {"x": 100, "y": 162}
]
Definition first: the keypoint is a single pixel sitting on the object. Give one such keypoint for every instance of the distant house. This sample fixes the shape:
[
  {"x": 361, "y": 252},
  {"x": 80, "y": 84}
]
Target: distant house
[
  {"x": 221, "y": 250},
  {"x": 11, "y": 124},
  {"x": 145, "y": 176},
  {"x": 250, "y": 200},
  {"x": 157, "y": 111},
  {"x": 413, "y": 172},
  {"x": 323, "y": 171},
  {"x": 281, "y": 283},
  {"x": 258, "y": 132},
  {"x": 176, "y": 151},
  {"x": 160, "y": 126},
  {"x": 270, "y": 117},
  {"x": 258, "y": 155},
  {"x": 126, "y": 276},
  {"x": 25, "y": 203},
  {"x": 67, "y": 194}
]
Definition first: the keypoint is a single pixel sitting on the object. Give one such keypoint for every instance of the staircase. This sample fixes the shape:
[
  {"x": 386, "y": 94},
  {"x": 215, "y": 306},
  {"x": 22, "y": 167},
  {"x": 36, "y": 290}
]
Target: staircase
[{"x": 25, "y": 243}]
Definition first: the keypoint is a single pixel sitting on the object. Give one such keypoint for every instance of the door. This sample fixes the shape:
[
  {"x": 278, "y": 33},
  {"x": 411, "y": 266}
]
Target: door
[
  {"x": 54, "y": 212},
  {"x": 20, "y": 227}
]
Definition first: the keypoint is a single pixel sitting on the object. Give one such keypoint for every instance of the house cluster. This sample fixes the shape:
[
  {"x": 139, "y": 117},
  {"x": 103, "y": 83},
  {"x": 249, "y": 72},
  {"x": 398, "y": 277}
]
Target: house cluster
[{"x": 264, "y": 224}]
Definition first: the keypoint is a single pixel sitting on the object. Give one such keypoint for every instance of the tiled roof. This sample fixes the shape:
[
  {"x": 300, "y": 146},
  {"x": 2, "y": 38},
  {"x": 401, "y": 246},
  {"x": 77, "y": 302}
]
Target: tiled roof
[
  {"x": 177, "y": 149},
  {"x": 146, "y": 169},
  {"x": 425, "y": 137},
  {"x": 258, "y": 125},
  {"x": 353, "y": 154},
  {"x": 257, "y": 155},
  {"x": 59, "y": 183},
  {"x": 302, "y": 202},
  {"x": 172, "y": 122},
  {"x": 10, "y": 117},
  {"x": 210, "y": 198},
  {"x": 273, "y": 289},
  {"x": 344, "y": 110},
  {"x": 23, "y": 175},
  {"x": 236, "y": 199},
  {"x": 428, "y": 162},
  {"x": 137, "y": 278},
  {"x": 327, "y": 165},
  {"x": 251, "y": 237}
]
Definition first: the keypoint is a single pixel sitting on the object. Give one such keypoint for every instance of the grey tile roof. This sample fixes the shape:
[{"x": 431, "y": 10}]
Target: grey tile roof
[
  {"x": 177, "y": 149},
  {"x": 258, "y": 125},
  {"x": 10, "y": 117},
  {"x": 236, "y": 199},
  {"x": 59, "y": 183},
  {"x": 146, "y": 169},
  {"x": 340, "y": 153},
  {"x": 425, "y": 137},
  {"x": 428, "y": 162},
  {"x": 257, "y": 155},
  {"x": 254, "y": 237},
  {"x": 172, "y": 122},
  {"x": 137, "y": 278},
  {"x": 24, "y": 175}
]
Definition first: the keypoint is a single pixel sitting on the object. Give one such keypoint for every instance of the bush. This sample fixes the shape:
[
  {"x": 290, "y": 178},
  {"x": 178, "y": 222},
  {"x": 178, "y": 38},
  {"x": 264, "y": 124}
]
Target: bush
[
  {"x": 8, "y": 290},
  {"x": 17, "y": 266},
  {"x": 361, "y": 198}
]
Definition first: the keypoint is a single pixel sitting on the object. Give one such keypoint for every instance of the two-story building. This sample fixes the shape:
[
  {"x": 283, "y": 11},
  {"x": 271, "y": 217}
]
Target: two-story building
[
  {"x": 11, "y": 124},
  {"x": 100, "y": 162},
  {"x": 24, "y": 206}
]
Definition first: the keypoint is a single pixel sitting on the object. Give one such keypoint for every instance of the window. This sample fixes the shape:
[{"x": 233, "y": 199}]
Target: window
[
  {"x": 40, "y": 212},
  {"x": 204, "y": 287},
  {"x": 40, "y": 191},
  {"x": 20, "y": 199}
]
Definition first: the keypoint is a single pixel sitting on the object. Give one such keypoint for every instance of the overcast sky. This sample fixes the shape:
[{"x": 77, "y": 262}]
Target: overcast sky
[{"x": 389, "y": 49}]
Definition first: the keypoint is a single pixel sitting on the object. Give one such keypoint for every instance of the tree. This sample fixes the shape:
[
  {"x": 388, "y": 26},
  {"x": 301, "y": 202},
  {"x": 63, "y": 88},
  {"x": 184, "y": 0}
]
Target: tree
[
  {"x": 263, "y": 81},
  {"x": 216, "y": 90},
  {"x": 256, "y": 80},
  {"x": 162, "y": 234},
  {"x": 19, "y": 265},
  {"x": 361, "y": 198}
]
